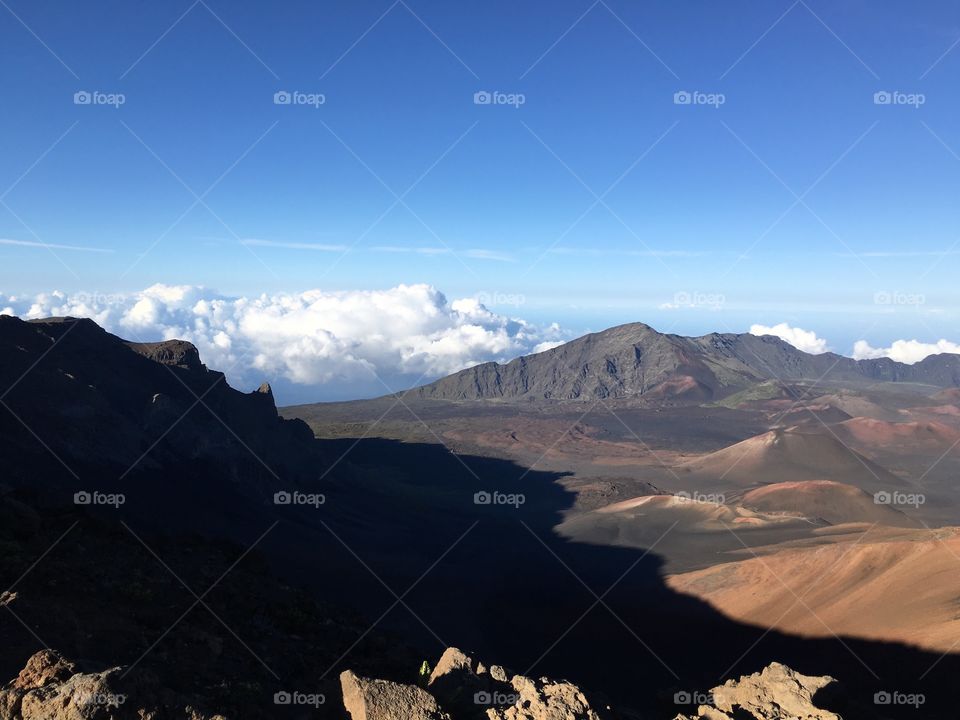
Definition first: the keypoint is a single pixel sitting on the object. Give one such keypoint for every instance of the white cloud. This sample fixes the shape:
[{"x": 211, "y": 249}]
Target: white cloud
[
  {"x": 474, "y": 253},
  {"x": 905, "y": 351},
  {"x": 417, "y": 250},
  {"x": 339, "y": 340},
  {"x": 254, "y": 242},
  {"x": 480, "y": 254},
  {"x": 601, "y": 252},
  {"x": 547, "y": 345},
  {"x": 52, "y": 246},
  {"x": 801, "y": 339}
]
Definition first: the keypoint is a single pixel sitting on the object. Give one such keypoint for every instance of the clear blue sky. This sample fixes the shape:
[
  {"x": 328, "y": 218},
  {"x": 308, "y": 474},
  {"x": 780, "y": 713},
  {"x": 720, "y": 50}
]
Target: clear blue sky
[{"x": 508, "y": 193}]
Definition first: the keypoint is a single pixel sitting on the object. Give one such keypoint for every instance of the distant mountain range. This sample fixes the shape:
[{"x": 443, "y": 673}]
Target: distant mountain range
[{"x": 636, "y": 361}]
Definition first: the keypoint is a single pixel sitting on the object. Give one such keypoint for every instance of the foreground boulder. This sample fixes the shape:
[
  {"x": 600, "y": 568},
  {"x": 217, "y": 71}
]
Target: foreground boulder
[
  {"x": 50, "y": 688},
  {"x": 775, "y": 693},
  {"x": 545, "y": 700},
  {"x": 367, "y": 699}
]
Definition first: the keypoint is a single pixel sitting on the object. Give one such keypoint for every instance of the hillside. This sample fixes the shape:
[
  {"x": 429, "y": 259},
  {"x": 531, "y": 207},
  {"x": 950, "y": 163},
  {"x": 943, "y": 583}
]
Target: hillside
[
  {"x": 634, "y": 361},
  {"x": 780, "y": 456},
  {"x": 82, "y": 402},
  {"x": 884, "y": 586}
]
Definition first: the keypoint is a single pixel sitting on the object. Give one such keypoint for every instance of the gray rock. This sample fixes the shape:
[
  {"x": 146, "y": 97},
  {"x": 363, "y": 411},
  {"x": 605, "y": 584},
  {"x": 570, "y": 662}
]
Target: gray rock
[{"x": 367, "y": 699}]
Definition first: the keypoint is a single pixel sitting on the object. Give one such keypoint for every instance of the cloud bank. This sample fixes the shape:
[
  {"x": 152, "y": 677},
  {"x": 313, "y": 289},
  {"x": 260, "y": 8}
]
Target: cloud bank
[
  {"x": 323, "y": 345},
  {"x": 905, "y": 351},
  {"x": 342, "y": 344},
  {"x": 801, "y": 339}
]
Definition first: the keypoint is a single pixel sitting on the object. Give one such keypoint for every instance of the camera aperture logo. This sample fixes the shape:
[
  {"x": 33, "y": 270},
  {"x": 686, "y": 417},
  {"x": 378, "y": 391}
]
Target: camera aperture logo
[
  {"x": 695, "y": 299},
  {"x": 514, "y": 500},
  {"x": 500, "y": 699},
  {"x": 295, "y": 497},
  {"x": 897, "y": 497},
  {"x": 495, "y": 97},
  {"x": 488, "y": 299},
  {"x": 299, "y": 698},
  {"x": 95, "y": 298},
  {"x": 686, "y": 697},
  {"x": 896, "y": 697},
  {"x": 696, "y": 97},
  {"x": 896, "y": 297},
  {"x": 699, "y": 497},
  {"x": 96, "y": 97},
  {"x": 896, "y": 97},
  {"x": 95, "y": 497},
  {"x": 295, "y": 97}
]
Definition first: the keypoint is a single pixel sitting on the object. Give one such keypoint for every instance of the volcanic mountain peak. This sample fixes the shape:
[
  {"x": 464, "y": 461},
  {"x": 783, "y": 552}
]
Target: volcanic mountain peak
[{"x": 634, "y": 361}]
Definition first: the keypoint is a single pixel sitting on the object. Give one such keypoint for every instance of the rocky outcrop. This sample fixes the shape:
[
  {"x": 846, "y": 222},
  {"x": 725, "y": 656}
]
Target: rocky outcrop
[
  {"x": 546, "y": 700},
  {"x": 457, "y": 678},
  {"x": 775, "y": 693},
  {"x": 462, "y": 688},
  {"x": 367, "y": 699},
  {"x": 50, "y": 688},
  {"x": 178, "y": 353}
]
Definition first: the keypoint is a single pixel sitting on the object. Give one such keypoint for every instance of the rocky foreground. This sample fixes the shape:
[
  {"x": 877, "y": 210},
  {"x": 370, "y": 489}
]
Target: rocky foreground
[{"x": 459, "y": 688}]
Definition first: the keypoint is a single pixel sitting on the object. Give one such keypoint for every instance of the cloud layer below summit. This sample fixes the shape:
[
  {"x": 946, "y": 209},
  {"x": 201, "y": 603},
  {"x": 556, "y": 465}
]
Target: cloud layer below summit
[
  {"x": 369, "y": 338},
  {"x": 369, "y": 342}
]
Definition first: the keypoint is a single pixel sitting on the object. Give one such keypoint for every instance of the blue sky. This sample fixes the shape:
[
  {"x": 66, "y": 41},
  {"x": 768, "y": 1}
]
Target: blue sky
[{"x": 596, "y": 201}]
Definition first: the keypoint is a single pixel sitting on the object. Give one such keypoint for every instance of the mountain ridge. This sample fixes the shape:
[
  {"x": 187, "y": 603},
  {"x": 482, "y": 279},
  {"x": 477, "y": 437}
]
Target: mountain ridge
[{"x": 634, "y": 360}]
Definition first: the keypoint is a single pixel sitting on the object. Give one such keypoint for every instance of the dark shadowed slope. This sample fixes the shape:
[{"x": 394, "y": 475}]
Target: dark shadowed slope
[
  {"x": 401, "y": 539},
  {"x": 634, "y": 360},
  {"x": 86, "y": 410}
]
